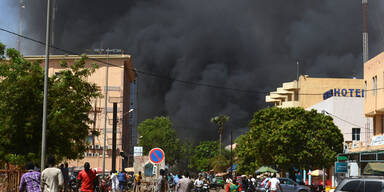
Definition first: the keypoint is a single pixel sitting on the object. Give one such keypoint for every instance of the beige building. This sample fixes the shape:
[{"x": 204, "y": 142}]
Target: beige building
[
  {"x": 120, "y": 82},
  {"x": 374, "y": 84},
  {"x": 309, "y": 91}
]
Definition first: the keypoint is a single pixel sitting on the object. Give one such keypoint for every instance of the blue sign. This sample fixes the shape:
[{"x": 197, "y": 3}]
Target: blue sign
[
  {"x": 156, "y": 155},
  {"x": 341, "y": 167},
  {"x": 344, "y": 93}
]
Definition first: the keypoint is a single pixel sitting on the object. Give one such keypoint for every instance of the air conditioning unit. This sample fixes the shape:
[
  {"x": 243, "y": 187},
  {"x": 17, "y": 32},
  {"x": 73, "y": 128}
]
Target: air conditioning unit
[{"x": 97, "y": 147}]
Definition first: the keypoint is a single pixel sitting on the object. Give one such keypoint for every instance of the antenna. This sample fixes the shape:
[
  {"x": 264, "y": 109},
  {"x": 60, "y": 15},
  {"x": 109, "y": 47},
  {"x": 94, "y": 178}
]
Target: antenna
[
  {"x": 22, "y": 6},
  {"x": 365, "y": 30},
  {"x": 297, "y": 70}
]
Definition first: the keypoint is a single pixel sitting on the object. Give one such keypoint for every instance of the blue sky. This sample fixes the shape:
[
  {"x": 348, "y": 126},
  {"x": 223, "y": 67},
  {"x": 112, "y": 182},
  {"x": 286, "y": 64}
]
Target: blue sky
[{"x": 9, "y": 20}]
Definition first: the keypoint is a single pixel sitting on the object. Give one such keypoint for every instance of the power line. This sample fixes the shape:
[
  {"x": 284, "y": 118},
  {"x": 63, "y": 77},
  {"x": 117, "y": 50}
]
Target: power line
[
  {"x": 357, "y": 126},
  {"x": 159, "y": 75}
]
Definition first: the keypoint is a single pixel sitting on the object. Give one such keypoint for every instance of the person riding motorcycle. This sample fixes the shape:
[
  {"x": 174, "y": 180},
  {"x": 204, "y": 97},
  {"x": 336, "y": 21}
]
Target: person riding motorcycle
[{"x": 199, "y": 184}]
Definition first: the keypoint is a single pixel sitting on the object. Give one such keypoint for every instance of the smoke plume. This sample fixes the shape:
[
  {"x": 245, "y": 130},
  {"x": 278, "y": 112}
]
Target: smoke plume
[{"x": 244, "y": 44}]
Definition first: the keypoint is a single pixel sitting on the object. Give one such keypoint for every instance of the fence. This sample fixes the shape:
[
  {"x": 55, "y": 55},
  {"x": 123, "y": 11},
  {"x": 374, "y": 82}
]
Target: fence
[{"x": 10, "y": 180}]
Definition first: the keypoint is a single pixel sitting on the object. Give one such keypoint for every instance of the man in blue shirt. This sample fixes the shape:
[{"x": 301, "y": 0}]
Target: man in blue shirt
[{"x": 122, "y": 180}]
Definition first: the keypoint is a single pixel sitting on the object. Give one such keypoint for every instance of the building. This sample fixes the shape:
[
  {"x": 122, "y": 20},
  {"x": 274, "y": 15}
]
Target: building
[
  {"x": 308, "y": 91},
  {"x": 374, "y": 84},
  {"x": 348, "y": 116},
  {"x": 121, "y": 90}
]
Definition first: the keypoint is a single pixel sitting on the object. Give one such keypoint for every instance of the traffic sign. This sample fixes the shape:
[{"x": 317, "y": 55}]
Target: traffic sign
[
  {"x": 341, "y": 167},
  {"x": 156, "y": 155}
]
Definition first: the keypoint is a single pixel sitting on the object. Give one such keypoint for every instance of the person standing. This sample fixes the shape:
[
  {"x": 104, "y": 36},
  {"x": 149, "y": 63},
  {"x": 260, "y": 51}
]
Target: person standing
[
  {"x": 87, "y": 178},
  {"x": 274, "y": 184},
  {"x": 185, "y": 184},
  {"x": 161, "y": 185},
  {"x": 122, "y": 180},
  {"x": 65, "y": 172},
  {"x": 138, "y": 178},
  {"x": 114, "y": 182},
  {"x": 30, "y": 181},
  {"x": 51, "y": 178}
]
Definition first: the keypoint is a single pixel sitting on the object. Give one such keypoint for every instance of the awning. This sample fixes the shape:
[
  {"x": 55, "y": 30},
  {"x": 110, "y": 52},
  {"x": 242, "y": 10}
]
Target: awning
[
  {"x": 129, "y": 169},
  {"x": 374, "y": 169}
]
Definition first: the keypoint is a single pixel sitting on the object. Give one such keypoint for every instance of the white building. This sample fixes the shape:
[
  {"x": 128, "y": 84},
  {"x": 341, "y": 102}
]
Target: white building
[{"x": 348, "y": 116}]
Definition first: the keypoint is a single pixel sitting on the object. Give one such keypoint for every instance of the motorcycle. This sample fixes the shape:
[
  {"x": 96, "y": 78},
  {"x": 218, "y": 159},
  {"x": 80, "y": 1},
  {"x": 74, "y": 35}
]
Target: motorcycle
[{"x": 205, "y": 187}]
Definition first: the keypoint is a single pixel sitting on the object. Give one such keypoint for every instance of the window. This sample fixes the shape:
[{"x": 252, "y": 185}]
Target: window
[
  {"x": 355, "y": 134},
  {"x": 374, "y": 85},
  {"x": 373, "y": 186},
  {"x": 351, "y": 186},
  {"x": 365, "y": 89}
]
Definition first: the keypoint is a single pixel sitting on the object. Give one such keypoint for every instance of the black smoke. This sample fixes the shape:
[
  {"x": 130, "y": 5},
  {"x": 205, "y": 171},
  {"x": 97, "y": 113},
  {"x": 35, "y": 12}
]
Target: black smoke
[{"x": 244, "y": 44}]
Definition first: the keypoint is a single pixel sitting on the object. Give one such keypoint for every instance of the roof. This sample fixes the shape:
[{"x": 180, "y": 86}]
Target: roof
[{"x": 56, "y": 57}]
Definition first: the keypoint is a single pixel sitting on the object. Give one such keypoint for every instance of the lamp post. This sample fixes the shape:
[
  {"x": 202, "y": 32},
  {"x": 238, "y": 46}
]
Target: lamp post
[{"x": 47, "y": 44}]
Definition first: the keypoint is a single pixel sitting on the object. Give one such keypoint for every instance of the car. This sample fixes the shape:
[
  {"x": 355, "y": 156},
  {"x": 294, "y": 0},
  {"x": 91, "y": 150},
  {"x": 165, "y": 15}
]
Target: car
[
  {"x": 361, "y": 184},
  {"x": 288, "y": 185}
]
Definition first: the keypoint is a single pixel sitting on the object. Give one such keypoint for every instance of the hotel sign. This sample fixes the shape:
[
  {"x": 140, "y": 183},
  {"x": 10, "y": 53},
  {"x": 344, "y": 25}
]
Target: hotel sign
[{"x": 344, "y": 93}]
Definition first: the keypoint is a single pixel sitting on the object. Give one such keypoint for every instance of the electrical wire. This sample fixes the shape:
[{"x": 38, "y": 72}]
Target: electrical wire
[{"x": 158, "y": 75}]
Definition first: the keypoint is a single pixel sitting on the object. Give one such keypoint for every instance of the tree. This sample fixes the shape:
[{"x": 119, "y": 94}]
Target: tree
[
  {"x": 203, "y": 154},
  {"x": 288, "y": 138},
  {"x": 159, "y": 132},
  {"x": 219, "y": 122},
  {"x": 21, "y": 101}
]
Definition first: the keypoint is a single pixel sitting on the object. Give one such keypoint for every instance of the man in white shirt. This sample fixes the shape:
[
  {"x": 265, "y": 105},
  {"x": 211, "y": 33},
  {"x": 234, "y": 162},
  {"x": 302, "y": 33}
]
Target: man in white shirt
[
  {"x": 228, "y": 180},
  {"x": 199, "y": 182},
  {"x": 51, "y": 178},
  {"x": 185, "y": 184},
  {"x": 114, "y": 182},
  {"x": 274, "y": 184}
]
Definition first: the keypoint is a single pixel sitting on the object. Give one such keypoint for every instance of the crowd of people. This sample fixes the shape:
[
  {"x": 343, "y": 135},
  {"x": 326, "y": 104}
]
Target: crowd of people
[{"x": 57, "y": 179}]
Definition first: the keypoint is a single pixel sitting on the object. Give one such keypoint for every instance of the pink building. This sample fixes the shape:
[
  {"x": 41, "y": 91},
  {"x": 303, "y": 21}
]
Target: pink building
[{"x": 121, "y": 80}]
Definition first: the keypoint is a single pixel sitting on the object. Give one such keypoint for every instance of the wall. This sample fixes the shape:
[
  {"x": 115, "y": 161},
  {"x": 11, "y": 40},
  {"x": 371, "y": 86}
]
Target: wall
[
  {"x": 312, "y": 89},
  {"x": 347, "y": 113},
  {"x": 374, "y": 104},
  {"x": 120, "y": 75}
]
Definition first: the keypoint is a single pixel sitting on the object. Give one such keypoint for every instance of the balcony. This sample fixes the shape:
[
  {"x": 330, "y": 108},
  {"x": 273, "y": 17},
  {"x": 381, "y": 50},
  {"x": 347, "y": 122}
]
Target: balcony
[
  {"x": 291, "y": 85},
  {"x": 287, "y": 104},
  {"x": 268, "y": 99}
]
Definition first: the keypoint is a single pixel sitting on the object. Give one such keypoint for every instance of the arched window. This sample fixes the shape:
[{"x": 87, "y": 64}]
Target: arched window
[{"x": 148, "y": 170}]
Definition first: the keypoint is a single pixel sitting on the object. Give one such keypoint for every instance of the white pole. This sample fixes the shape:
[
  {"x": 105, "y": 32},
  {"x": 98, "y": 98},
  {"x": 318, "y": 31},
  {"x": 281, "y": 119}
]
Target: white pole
[{"x": 47, "y": 44}]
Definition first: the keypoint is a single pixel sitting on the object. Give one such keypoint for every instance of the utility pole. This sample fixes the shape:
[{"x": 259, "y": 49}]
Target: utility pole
[
  {"x": 105, "y": 111},
  {"x": 231, "y": 153},
  {"x": 47, "y": 45},
  {"x": 114, "y": 137},
  {"x": 22, "y": 6}
]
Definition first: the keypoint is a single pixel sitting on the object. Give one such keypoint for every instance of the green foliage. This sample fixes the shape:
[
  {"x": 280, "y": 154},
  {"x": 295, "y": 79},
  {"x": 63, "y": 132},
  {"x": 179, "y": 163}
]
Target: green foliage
[
  {"x": 21, "y": 103},
  {"x": 203, "y": 154},
  {"x": 287, "y": 138},
  {"x": 219, "y": 121},
  {"x": 159, "y": 132},
  {"x": 221, "y": 162}
]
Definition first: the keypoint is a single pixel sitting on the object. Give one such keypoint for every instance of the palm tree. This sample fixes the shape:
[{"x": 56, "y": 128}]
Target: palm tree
[{"x": 219, "y": 121}]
